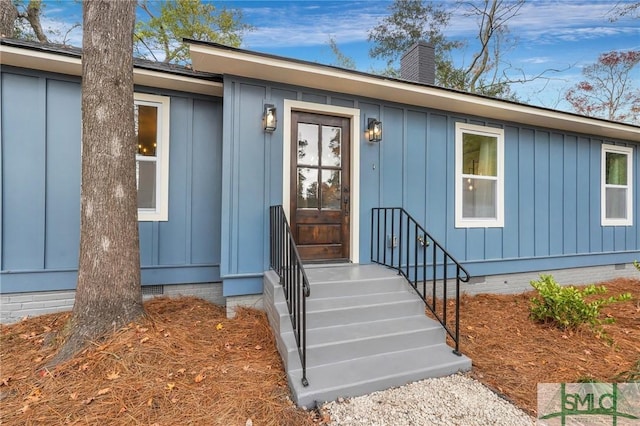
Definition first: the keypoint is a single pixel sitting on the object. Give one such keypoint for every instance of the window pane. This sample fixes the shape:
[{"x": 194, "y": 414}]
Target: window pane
[
  {"x": 331, "y": 137},
  {"x": 331, "y": 189},
  {"x": 479, "y": 198},
  {"x": 308, "y": 144},
  {"x": 616, "y": 207},
  {"x": 146, "y": 127},
  {"x": 616, "y": 168},
  {"x": 307, "y": 188},
  {"x": 146, "y": 180},
  {"x": 480, "y": 155}
]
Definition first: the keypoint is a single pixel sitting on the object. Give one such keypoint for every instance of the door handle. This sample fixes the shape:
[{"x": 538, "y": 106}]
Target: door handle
[{"x": 346, "y": 205}]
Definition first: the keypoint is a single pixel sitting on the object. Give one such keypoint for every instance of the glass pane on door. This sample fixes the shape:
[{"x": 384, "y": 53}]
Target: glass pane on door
[
  {"x": 331, "y": 144},
  {"x": 307, "y": 188},
  {"x": 331, "y": 189},
  {"x": 308, "y": 144}
]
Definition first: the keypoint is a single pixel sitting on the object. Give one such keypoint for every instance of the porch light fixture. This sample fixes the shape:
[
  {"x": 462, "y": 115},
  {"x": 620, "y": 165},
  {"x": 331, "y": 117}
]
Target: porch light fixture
[
  {"x": 269, "y": 119},
  {"x": 374, "y": 130}
]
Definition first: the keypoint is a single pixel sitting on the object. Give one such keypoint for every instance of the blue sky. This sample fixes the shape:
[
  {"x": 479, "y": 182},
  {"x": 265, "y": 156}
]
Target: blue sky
[{"x": 549, "y": 35}]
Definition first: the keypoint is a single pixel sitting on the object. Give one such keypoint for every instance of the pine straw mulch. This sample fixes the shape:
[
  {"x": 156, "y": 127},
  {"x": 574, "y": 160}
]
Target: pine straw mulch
[
  {"x": 186, "y": 363},
  {"x": 511, "y": 354}
]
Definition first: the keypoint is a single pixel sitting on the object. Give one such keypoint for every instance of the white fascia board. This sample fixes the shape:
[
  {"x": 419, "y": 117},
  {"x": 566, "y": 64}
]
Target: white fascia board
[
  {"x": 244, "y": 64},
  {"x": 70, "y": 65}
]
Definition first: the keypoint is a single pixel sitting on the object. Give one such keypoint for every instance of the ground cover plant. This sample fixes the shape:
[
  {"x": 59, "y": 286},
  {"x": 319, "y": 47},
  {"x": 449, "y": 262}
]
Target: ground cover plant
[
  {"x": 568, "y": 307},
  {"x": 512, "y": 354},
  {"x": 188, "y": 364}
]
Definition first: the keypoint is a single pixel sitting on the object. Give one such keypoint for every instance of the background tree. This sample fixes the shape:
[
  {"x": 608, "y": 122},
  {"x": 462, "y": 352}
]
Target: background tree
[
  {"x": 8, "y": 17},
  {"x": 160, "y": 36},
  {"x": 108, "y": 293},
  {"x": 26, "y": 19},
  {"x": 414, "y": 20},
  {"x": 408, "y": 22},
  {"x": 340, "y": 59},
  {"x": 609, "y": 90},
  {"x": 623, "y": 8}
]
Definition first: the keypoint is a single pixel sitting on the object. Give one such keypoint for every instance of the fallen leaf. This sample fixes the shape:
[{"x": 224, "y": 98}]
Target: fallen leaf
[
  {"x": 73, "y": 396},
  {"x": 249, "y": 422},
  {"x": 35, "y": 395},
  {"x": 38, "y": 359},
  {"x": 219, "y": 326},
  {"x": 25, "y": 408},
  {"x": 144, "y": 339},
  {"x": 113, "y": 375},
  {"x": 200, "y": 377},
  {"x": 104, "y": 391},
  {"x": 228, "y": 346},
  {"x": 258, "y": 347},
  {"x": 587, "y": 352},
  {"x": 170, "y": 386},
  {"x": 83, "y": 367},
  {"x": 122, "y": 410},
  {"x": 88, "y": 400},
  {"x": 174, "y": 400},
  {"x": 142, "y": 330},
  {"x": 246, "y": 368},
  {"x": 5, "y": 382},
  {"x": 181, "y": 370}
]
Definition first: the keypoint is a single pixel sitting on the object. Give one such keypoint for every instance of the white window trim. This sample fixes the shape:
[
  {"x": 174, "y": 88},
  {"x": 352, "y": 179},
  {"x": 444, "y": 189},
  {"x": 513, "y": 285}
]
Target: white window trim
[
  {"x": 628, "y": 151},
  {"x": 161, "y": 211},
  {"x": 498, "y": 221}
]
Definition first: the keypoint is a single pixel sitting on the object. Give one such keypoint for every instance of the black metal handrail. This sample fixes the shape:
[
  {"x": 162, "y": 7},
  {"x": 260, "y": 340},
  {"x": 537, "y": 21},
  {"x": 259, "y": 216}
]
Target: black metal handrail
[
  {"x": 399, "y": 242},
  {"x": 285, "y": 261}
]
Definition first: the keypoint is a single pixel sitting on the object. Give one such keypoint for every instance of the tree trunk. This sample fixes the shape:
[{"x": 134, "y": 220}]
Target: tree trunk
[
  {"x": 33, "y": 16},
  {"x": 108, "y": 294},
  {"x": 8, "y": 16}
]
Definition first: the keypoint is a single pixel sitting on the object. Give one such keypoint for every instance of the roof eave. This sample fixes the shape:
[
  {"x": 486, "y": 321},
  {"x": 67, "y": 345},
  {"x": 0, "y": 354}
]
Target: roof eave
[
  {"x": 72, "y": 65},
  {"x": 224, "y": 60}
]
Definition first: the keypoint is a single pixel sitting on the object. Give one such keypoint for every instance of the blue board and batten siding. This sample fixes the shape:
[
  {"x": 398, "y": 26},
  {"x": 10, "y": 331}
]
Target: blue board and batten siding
[
  {"x": 552, "y": 187},
  {"x": 41, "y": 130}
]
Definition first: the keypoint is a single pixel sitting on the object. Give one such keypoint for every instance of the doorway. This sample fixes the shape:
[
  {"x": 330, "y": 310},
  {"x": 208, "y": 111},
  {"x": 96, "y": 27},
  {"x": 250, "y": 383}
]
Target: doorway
[{"x": 320, "y": 185}]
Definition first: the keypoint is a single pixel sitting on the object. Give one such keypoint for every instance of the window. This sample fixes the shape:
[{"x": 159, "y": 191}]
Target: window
[
  {"x": 616, "y": 198},
  {"x": 151, "y": 116},
  {"x": 479, "y": 176}
]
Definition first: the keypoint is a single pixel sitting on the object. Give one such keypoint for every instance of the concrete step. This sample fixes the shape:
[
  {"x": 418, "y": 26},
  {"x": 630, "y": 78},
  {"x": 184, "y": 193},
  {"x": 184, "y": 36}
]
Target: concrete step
[
  {"x": 376, "y": 372},
  {"x": 328, "y": 345},
  {"x": 366, "y": 331}
]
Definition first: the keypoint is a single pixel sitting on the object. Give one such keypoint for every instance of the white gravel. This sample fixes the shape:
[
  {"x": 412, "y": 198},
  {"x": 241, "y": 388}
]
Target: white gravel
[{"x": 452, "y": 400}]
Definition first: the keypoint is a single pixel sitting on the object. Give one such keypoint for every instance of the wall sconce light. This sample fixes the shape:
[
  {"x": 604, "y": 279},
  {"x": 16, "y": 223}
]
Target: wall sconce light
[
  {"x": 269, "y": 119},
  {"x": 374, "y": 130}
]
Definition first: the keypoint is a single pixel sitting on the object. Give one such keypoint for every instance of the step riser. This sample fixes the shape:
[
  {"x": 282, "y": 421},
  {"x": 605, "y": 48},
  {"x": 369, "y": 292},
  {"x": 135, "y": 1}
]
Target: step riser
[
  {"x": 354, "y": 288},
  {"x": 331, "y": 318},
  {"x": 311, "y": 399},
  {"x": 342, "y": 351}
]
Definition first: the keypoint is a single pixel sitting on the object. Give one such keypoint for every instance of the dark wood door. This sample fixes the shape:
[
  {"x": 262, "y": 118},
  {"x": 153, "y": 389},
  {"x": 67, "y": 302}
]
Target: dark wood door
[{"x": 320, "y": 185}]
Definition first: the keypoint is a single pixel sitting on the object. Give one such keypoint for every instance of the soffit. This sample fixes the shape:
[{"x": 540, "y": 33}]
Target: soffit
[
  {"x": 71, "y": 65},
  {"x": 224, "y": 60}
]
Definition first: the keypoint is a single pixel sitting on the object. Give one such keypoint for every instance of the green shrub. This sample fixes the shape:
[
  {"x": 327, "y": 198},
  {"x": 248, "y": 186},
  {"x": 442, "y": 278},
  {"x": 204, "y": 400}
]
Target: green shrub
[
  {"x": 567, "y": 307},
  {"x": 636, "y": 264}
]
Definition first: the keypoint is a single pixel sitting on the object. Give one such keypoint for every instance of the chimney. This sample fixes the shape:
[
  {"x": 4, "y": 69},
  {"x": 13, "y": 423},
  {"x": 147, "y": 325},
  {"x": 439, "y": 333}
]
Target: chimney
[{"x": 419, "y": 63}]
